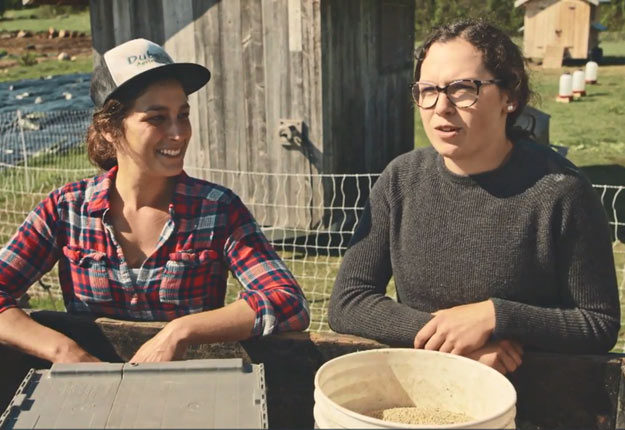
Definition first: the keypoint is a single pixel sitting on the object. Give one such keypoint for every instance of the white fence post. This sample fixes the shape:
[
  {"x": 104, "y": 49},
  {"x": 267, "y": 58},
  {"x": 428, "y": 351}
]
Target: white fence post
[{"x": 20, "y": 125}]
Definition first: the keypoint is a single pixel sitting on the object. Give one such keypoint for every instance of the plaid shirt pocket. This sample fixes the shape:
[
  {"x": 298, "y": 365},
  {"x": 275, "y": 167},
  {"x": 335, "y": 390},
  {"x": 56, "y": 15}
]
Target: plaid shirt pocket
[
  {"x": 89, "y": 274},
  {"x": 187, "y": 278}
]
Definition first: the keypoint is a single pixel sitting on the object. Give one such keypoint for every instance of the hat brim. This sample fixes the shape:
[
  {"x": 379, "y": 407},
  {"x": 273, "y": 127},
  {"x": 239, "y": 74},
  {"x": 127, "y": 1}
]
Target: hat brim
[{"x": 191, "y": 76}]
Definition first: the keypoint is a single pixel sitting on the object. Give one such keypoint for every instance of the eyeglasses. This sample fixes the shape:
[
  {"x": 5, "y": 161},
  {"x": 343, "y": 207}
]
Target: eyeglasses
[{"x": 462, "y": 93}]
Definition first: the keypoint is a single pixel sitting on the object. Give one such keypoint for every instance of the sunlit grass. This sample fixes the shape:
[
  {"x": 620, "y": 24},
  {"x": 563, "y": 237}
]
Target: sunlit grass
[{"x": 43, "y": 17}]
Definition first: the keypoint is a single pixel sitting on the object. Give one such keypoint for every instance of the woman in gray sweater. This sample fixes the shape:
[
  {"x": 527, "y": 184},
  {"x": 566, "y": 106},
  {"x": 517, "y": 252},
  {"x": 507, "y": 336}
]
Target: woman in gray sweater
[{"x": 495, "y": 243}]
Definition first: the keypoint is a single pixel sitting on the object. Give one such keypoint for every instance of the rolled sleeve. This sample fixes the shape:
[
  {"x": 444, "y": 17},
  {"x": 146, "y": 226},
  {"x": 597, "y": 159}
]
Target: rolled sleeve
[{"x": 269, "y": 288}]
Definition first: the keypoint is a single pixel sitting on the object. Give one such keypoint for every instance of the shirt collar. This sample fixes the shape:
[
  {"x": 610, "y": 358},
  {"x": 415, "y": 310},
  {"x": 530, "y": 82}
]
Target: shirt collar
[
  {"x": 180, "y": 199},
  {"x": 100, "y": 197},
  {"x": 99, "y": 200}
]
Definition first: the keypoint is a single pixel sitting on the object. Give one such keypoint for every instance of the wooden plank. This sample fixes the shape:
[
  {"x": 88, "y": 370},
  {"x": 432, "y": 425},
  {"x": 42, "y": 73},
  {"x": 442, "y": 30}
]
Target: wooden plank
[
  {"x": 232, "y": 79},
  {"x": 364, "y": 106},
  {"x": 311, "y": 109},
  {"x": 581, "y": 36},
  {"x": 541, "y": 29},
  {"x": 299, "y": 159},
  {"x": 208, "y": 35},
  {"x": 574, "y": 391},
  {"x": 290, "y": 159},
  {"x": 148, "y": 20},
  {"x": 102, "y": 32},
  {"x": 553, "y": 57},
  {"x": 253, "y": 100},
  {"x": 620, "y": 406},
  {"x": 276, "y": 83},
  {"x": 555, "y": 391},
  {"x": 122, "y": 21},
  {"x": 529, "y": 32},
  {"x": 196, "y": 153},
  {"x": 565, "y": 25},
  {"x": 179, "y": 42}
]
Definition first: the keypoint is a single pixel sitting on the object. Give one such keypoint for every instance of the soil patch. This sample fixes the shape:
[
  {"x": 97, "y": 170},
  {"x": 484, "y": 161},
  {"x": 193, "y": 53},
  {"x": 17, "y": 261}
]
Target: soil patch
[{"x": 39, "y": 44}]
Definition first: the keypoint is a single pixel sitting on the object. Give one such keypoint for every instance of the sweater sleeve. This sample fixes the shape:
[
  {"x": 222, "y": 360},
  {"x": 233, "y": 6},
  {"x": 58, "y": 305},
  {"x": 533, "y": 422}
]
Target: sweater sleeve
[
  {"x": 588, "y": 319},
  {"x": 358, "y": 304}
]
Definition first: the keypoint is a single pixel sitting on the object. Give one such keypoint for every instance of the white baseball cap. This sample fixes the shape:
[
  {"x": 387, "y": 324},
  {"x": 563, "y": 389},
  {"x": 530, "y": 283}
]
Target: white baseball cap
[{"x": 134, "y": 63}]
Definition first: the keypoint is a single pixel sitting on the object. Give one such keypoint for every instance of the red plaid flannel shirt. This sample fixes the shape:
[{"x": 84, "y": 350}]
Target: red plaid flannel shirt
[{"x": 209, "y": 233}]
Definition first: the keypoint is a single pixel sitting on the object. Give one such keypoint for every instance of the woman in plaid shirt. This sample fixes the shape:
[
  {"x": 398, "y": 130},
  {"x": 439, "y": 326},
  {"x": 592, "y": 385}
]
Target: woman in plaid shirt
[{"x": 143, "y": 240}]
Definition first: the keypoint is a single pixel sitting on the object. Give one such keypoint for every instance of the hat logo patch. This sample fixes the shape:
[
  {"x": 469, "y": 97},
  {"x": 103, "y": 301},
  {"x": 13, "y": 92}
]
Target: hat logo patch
[{"x": 148, "y": 57}]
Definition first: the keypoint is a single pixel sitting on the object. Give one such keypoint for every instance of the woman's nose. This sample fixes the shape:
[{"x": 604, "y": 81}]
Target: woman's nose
[
  {"x": 177, "y": 131},
  {"x": 443, "y": 106}
]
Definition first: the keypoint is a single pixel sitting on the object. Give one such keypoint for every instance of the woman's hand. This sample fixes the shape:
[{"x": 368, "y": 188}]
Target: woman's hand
[
  {"x": 458, "y": 330},
  {"x": 167, "y": 345},
  {"x": 504, "y": 355}
]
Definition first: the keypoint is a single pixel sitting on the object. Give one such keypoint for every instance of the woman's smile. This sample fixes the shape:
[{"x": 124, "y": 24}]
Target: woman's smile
[{"x": 170, "y": 153}]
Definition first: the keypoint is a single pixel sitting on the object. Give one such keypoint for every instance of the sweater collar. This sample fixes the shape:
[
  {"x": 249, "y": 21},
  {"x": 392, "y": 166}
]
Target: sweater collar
[{"x": 493, "y": 177}]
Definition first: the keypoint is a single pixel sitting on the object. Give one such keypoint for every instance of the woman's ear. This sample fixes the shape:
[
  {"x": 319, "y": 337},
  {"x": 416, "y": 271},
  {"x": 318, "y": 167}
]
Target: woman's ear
[
  {"x": 509, "y": 106},
  {"x": 108, "y": 136}
]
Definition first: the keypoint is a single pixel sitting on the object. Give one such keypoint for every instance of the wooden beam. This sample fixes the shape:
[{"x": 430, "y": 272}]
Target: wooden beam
[
  {"x": 555, "y": 391},
  {"x": 553, "y": 57}
]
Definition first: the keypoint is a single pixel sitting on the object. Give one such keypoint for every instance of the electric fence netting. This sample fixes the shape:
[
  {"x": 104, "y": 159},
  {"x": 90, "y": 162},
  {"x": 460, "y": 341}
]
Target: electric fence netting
[{"x": 42, "y": 151}]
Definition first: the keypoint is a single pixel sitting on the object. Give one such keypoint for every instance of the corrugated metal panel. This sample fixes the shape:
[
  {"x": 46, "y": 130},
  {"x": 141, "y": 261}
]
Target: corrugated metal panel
[{"x": 188, "y": 394}]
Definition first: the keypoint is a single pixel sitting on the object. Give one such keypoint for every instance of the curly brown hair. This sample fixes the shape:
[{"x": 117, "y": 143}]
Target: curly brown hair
[
  {"x": 501, "y": 57},
  {"x": 106, "y": 119}
]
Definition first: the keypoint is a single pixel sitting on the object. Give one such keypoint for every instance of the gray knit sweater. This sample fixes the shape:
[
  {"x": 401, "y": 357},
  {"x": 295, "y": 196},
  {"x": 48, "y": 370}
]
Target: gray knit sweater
[{"x": 531, "y": 235}]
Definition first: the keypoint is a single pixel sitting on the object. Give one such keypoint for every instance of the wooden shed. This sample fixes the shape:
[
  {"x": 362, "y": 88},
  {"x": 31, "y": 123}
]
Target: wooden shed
[
  {"x": 560, "y": 23},
  {"x": 299, "y": 88}
]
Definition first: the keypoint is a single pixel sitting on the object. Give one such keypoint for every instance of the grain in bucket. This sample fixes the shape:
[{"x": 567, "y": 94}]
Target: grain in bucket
[{"x": 411, "y": 388}]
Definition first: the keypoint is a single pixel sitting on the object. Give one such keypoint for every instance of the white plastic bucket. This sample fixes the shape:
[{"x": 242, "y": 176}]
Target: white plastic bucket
[
  {"x": 591, "y": 72},
  {"x": 565, "y": 88},
  {"x": 353, "y": 384}
]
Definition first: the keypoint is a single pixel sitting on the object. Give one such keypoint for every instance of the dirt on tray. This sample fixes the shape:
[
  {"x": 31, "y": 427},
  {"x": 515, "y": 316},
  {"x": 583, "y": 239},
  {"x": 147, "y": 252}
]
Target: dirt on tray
[{"x": 46, "y": 49}]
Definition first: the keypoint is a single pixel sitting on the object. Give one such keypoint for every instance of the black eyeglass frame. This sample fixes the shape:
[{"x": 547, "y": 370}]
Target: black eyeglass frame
[{"x": 477, "y": 82}]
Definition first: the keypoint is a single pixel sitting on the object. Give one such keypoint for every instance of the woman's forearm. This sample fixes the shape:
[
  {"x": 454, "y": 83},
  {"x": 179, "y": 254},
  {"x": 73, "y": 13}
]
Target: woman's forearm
[
  {"x": 230, "y": 323},
  {"x": 19, "y": 331}
]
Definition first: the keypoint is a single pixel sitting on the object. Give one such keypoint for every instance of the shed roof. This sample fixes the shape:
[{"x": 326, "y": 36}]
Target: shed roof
[{"x": 518, "y": 3}]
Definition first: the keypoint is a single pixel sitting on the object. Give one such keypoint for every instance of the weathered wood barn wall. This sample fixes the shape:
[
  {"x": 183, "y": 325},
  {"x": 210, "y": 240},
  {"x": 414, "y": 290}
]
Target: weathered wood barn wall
[{"x": 341, "y": 68}]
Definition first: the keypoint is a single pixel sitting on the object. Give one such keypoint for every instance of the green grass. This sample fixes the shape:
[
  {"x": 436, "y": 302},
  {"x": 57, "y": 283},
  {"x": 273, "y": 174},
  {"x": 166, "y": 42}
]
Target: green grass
[
  {"x": 15, "y": 20},
  {"x": 47, "y": 68},
  {"x": 47, "y": 302},
  {"x": 21, "y": 189}
]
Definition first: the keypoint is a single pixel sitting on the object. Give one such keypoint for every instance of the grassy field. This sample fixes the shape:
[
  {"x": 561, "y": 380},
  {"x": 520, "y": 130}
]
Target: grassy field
[
  {"x": 47, "y": 68},
  {"x": 43, "y": 17}
]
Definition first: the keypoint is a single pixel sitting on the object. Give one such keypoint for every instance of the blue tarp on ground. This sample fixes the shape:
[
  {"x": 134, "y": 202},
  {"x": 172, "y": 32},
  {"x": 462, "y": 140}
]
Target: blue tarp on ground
[
  {"x": 13, "y": 94},
  {"x": 56, "y": 124}
]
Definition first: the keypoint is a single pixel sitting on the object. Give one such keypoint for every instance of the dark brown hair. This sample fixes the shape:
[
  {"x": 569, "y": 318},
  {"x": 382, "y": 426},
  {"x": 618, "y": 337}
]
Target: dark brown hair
[
  {"x": 501, "y": 57},
  {"x": 109, "y": 119},
  {"x": 106, "y": 119}
]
